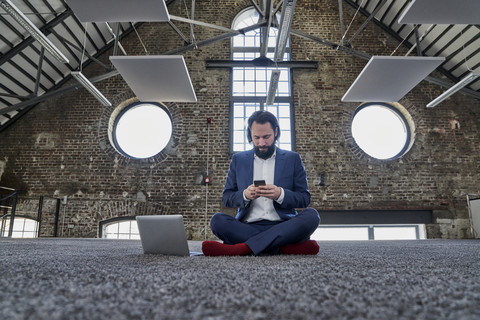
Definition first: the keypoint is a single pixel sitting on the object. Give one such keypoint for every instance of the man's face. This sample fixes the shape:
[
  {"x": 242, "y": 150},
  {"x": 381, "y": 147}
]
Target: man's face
[{"x": 263, "y": 138}]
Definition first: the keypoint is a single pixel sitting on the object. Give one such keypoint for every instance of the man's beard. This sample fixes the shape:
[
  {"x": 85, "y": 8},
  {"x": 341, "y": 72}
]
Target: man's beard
[{"x": 265, "y": 154}]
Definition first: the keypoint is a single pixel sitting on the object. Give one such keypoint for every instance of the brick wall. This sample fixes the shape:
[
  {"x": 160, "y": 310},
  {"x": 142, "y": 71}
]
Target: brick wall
[{"x": 61, "y": 147}]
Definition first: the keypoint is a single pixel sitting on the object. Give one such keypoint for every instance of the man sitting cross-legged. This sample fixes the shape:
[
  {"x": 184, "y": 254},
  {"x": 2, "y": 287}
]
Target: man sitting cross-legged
[{"x": 266, "y": 220}]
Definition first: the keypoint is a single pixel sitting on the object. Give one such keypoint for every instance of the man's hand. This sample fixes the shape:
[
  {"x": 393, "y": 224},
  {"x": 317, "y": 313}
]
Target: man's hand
[
  {"x": 250, "y": 192},
  {"x": 269, "y": 191}
]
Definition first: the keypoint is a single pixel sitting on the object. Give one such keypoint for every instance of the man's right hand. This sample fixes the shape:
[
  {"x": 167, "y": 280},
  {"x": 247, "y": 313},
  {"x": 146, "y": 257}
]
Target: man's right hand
[{"x": 250, "y": 192}]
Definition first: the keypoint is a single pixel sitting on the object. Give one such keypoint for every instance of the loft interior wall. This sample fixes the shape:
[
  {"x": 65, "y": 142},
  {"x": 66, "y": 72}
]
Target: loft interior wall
[{"x": 61, "y": 147}]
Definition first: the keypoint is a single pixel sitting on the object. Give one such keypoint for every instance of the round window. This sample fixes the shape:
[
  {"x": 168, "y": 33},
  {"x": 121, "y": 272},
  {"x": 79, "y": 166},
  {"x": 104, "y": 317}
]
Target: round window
[
  {"x": 383, "y": 130},
  {"x": 142, "y": 130}
]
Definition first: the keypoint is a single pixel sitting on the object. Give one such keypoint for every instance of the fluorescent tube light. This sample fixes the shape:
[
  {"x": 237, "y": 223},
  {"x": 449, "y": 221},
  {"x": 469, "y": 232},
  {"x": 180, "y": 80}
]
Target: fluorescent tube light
[
  {"x": 282, "y": 37},
  {"x": 462, "y": 83},
  {"x": 284, "y": 28},
  {"x": 28, "y": 25},
  {"x": 272, "y": 89},
  {"x": 90, "y": 87}
]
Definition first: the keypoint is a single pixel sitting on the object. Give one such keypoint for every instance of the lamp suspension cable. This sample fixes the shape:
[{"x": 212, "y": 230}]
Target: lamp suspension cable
[
  {"x": 351, "y": 22},
  {"x": 464, "y": 53},
  {"x": 404, "y": 39},
  {"x": 140, "y": 39},
  {"x": 84, "y": 46}
]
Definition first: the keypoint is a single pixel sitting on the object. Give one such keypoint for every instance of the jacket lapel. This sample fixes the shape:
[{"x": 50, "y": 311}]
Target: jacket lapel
[
  {"x": 249, "y": 167},
  {"x": 279, "y": 165}
]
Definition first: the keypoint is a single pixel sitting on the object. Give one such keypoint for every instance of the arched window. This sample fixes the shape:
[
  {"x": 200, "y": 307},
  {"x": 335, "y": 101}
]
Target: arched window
[
  {"x": 119, "y": 228},
  {"x": 22, "y": 227},
  {"x": 250, "y": 84}
]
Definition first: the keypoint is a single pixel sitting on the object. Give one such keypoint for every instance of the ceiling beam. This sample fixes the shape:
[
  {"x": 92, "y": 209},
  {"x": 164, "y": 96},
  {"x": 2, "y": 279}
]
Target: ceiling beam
[
  {"x": 267, "y": 63},
  {"x": 209, "y": 41},
  {"x": 28, "y": 41},
  {"x": 23, "y": 107},
  {"x": 200, "y": 23},
  {"x": 55, "y": 93}
]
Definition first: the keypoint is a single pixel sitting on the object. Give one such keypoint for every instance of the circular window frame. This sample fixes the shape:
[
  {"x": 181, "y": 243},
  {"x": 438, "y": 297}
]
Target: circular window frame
[
  {"x": 120, "y": 112},
  {"x": 402, "y": 114}
]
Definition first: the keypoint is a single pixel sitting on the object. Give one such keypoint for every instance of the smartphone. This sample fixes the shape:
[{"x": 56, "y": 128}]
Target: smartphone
[{"x": 259, "y": 183}]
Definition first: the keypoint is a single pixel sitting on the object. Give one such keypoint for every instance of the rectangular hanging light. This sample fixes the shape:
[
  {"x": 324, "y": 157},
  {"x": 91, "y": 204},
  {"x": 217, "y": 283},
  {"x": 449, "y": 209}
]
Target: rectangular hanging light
[
  {"x": 162, "y": 78},
  {"x": 90, "y": 87},
  {"x": 459, "y": 85},
  {"x": 119, "y": 10},
  {"x": 441, "y": 12},
  {"x": 28, "y": 25},
  {"x": 389, "y": 78}
]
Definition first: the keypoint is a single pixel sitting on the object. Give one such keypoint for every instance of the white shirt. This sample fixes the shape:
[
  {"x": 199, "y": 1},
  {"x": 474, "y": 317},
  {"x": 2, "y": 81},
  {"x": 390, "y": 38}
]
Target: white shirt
[{"x": 262, "y": 208}]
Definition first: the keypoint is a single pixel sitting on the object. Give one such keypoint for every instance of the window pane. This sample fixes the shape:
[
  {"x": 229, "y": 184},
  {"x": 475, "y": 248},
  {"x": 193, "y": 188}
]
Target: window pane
[
  {"x": 284, "y": 124},
  {"x": 238, "y": 88},
  {"x": 238, "y": 147},
  {"x": 395, "y": 233},
  {"x": 283, "y": 89},
  {"x": 341, "y": 233},
  {"x": 124, "y": 227},
  {"x": 249, "y": 88},
  {"x": 249, "y": 74},
  {"x": 285, "y": 146},
  {"x": 284, "y": 75},
  {"x": 261, "y": 89},
  {"x": 272, "y": 109},
  {"x": 249, "y": 41},
  {"x": 238, "y": 41},
  {"x": 238, "y": 74},
  {"x": 238, "y": 123},
  {"x": 30, "y": 225},
  {"x": 285, "y": 137},
  {"x": 238, "y": 136},
  {"x": 261, "y": 74},
  {"x": 238, "y": 111},
  {"x": 284, "y": 111},
  {"x": 238, "y": 56},
  {"x": 250, "y": 110},
  {"x": 111, "y": 229}
]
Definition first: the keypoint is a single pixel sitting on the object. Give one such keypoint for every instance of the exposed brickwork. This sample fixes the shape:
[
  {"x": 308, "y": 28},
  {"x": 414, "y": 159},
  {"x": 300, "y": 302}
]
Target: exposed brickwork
[{"x": 61, "y": 148}]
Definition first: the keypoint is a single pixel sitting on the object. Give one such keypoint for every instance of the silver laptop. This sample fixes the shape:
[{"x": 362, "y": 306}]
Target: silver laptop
[{"x": 164, "y": 235}]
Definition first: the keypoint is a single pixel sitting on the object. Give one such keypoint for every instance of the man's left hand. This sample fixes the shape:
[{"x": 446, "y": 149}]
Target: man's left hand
[{"x": 269, "y": 191}]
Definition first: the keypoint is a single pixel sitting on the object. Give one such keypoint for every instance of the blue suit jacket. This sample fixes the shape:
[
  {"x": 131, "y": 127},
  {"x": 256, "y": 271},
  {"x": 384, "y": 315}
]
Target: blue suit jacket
[{"x": 289, "y": 174}]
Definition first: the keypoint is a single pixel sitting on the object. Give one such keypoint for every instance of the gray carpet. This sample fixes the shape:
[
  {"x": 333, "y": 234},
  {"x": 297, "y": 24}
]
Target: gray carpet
[{"x": 112, "y": 279}]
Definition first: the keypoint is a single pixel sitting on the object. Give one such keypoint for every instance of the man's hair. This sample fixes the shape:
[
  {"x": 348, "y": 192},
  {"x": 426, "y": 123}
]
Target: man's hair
[{"x": 262, "y": 117}]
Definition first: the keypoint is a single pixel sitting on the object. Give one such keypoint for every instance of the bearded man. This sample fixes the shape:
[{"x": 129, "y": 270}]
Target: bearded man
[{"x": 266, "y": 184}]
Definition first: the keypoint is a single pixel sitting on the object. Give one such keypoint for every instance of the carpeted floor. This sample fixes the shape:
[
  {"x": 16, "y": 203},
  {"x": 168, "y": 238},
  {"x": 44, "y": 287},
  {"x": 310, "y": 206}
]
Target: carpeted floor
[{"x": 112, "y": 279}]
